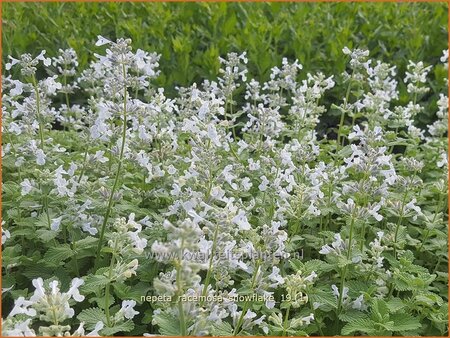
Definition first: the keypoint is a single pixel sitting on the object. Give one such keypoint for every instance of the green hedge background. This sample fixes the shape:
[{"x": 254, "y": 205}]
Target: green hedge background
[{"x": 190, "y": 36}]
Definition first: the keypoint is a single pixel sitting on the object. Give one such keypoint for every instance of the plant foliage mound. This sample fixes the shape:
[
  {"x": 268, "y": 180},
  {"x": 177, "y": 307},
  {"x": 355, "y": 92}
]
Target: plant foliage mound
[{"x": 221, "y": 210}]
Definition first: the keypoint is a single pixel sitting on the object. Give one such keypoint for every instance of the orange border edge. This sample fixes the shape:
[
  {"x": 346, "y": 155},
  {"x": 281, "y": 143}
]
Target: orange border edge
[{"x": 398, "y": 1}]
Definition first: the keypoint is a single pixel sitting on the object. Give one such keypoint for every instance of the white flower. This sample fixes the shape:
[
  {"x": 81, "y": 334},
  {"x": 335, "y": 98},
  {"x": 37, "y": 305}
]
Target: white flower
[
  {"x": 311, "y": 277},
  {"x": 373, "y": 211},
  {"x": 241, "y": 220},
  {"x": 21, "y": 329},
  {"x": 50, "y": 85},
  {"x": 27, "y": 186},
  {"x": 246, "y": 184},
  {"x": 307, "y": 320},
  {"x": 73, "y": 291},
  {"x": 139, "y": 244},
  {"x": 252, "y": 165},
  {"x": 326, "y": 249},
  {"x": 335, "y": 290},
  {"x": 5, "y": 234},
  {"x": 21, "y": 306},
  {"x": 412, "y": 207},
  {"x": 102, "y": 41},
  {"x": 249, "y": 315},
  {"x": 276, "y": 277},
  {"x": 13, "y": 62},
  {"x": 95, "y": 332},
  {"x": 358, "y": 303},
  {"x": 80, "y": 331},
  {"x": 47, "y": 61},
  {"x": 99, "y": 156},
  {"x": 264, "y": 183},
  {"x": 40, "y": 157},
  {"x": 39, "y": 291},
  {"x": 127, "y": 309},
  {"x": 443, "y": 160},
  {"x": 213, "y": 136},
  {"x": 444, "y": 57},
  {"x": 56, "y": 222}
]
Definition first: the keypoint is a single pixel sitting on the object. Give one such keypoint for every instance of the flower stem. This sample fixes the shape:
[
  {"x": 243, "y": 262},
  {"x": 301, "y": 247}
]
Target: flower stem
[
  {"x": 38, "y": 111},
  {"x": 180, "y": 292},
  {"x": 108, "y": 286},
  {"x": 399, "y": 222},
  {"x": 208, "y": 274},
  {"x": 41, "y": 135},
  {"x": 344, "y": 272},
  {"x": 119, "y": 168},
  {"x": 246, "y": 305},
  {"x": 286, "y": 319},
  {"x": 341, "y": 122}
]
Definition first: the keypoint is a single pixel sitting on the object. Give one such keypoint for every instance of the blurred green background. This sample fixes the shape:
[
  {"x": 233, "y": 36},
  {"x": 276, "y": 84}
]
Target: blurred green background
[{"x": 190, "y": 36}]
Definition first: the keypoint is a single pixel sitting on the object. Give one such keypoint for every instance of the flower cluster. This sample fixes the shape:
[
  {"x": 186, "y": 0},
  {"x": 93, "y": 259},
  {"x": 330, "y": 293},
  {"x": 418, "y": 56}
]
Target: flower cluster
[{"x": 235, "y": 205}]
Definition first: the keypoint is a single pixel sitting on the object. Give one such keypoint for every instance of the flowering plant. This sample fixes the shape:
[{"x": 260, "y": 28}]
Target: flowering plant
[{"x": 223, "y": 210}]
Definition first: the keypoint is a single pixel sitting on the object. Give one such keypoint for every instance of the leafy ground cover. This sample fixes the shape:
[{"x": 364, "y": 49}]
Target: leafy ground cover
[{"x": 225, "y": 206}]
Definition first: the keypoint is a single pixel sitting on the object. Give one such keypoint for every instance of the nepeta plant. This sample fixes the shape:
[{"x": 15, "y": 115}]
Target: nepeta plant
[{"x": 224, "y": 210}]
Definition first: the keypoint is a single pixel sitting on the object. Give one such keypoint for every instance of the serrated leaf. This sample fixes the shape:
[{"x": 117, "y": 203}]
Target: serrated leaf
[
  {"x": 351, "y": 315},
  {"x": 36, "y": 271},
  {"x": 46, "y": 235},
  {"x": 124, "y": 327},
  {"x": 57, "y": 254},
  {"x": 364, "y": 325},
  {"x": 395, "y": 304},
  {"x": 86, "y": 243},
  {"x": 168, "y": 325},
  {"x": 405, "y": 322},
  {"x": 94, "y": 282},
  {"x": 91, "y": 317},
  {"x": 317, "y": 266},
  {"x": 323, "y": 298},
  {"x": 222, "y": 329}
]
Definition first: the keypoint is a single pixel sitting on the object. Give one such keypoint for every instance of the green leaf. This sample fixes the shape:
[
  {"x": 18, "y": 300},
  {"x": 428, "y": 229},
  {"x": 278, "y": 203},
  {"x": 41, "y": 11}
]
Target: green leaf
[
  {"x": 405, "y": 322},
  {"x": 86, "y": 243},
  {"x": 92, "y": 283},
  {"x": 46, "y": 235},
  {"x": 222, "y": 329},
  {"x": 364, "y": 325},
  {"x": 57, "y": 254},
  {"x": 124, "y": 327},
  {"x": 168, "y": 325},
  {"x": 317, "y": 266},
  {"x": 91, "y": 317},
  {"x": 323, "y": 298},
  {"x": 395, "y": 304}
]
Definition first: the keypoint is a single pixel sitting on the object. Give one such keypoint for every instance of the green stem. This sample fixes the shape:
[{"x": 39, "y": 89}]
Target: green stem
[
  {"x": 108, "y": 286},
  {"x": 38, "y": 111},
  {"x": 74, "y": 257},
  {"x": 83, "y": 166},
  {"x": 286, "y": 319},
  {"x": 180, "y": 292},
  {"x": 399, "y": 222},
  {"x": 246, "y": 305},
  {"x": 341, "y": 122},
  {"x": 315, "y": 318},
  {"x": 344, "y": 272},
  {"x": 208, "y": 274},
  {"x": 116, "y": 180},
  {"x": 231, "y": 113},
  {"x": 363, "y": 235},
  {"x": 66, "y": 94}
]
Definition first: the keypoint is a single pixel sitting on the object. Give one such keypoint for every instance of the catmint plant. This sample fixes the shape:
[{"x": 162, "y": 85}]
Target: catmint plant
[{"x": 228, "y": 207}]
